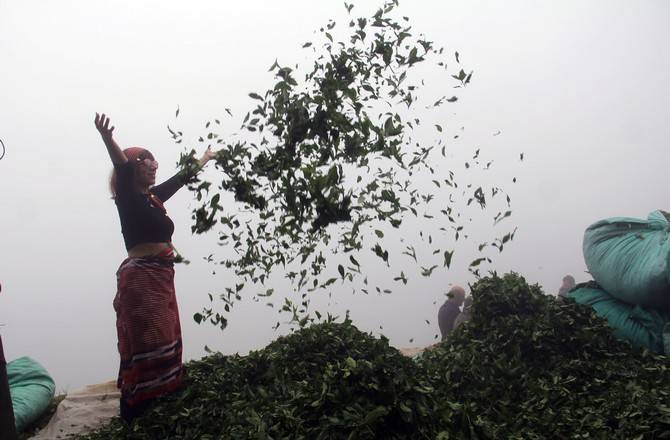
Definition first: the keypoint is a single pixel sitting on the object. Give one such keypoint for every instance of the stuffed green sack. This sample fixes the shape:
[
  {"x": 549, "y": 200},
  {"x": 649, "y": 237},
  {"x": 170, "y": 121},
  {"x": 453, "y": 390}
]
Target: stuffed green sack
[
  {"x": 629, "y": 258},
  {"x": 31, "y": 388},
  {"x": 644, "y": 328}
]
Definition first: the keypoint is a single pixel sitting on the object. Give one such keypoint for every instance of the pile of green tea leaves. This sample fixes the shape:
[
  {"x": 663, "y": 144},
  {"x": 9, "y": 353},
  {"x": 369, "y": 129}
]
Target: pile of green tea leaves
[
  {"x": 328, "y": 381},
  {"x": 335, "y": 154},
  {"x": 532, "y": 366},
  {"x": 526, "y": 366}
]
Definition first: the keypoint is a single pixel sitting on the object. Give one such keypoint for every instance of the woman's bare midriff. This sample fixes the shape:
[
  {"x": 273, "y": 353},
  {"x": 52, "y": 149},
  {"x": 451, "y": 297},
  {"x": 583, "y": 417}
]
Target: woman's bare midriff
[{"x": 148, "y": 249}]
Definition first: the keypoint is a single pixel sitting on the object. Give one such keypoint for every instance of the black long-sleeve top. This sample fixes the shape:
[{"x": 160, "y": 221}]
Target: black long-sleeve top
[{"x": 143, "y": 216}]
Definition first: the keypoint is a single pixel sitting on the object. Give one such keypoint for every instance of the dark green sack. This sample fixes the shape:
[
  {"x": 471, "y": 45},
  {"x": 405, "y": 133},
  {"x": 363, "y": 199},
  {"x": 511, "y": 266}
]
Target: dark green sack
[
  {"x": 642, "y": 327},
  {"x": 629, "y": 258},
  {"x": 31, "y": 388}
]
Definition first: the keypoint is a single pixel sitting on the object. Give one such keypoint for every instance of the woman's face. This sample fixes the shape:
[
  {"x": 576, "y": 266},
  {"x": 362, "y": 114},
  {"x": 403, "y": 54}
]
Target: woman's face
[{"x": 146, "y": 166}]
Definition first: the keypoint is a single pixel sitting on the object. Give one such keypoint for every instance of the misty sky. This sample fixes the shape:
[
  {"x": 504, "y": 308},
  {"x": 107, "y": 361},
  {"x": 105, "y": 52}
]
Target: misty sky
[{"x": 580, "y": 87}]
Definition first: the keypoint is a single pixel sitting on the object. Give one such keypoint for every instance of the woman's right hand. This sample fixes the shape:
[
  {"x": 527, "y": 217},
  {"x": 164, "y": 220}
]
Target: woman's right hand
[
  {"x": 115, "y": 152},
  {"x": 102, "y": 124}
]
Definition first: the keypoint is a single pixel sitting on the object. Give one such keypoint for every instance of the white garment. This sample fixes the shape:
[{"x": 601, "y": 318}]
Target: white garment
[{"x": 82, "y": 411}]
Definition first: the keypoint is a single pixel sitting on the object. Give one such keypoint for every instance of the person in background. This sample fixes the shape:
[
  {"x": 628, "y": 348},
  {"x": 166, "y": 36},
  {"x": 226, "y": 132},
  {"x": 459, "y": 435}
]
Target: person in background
[
  {"x": 7, "y": 424},
  {"x": 147, "y": 317},
  {"x": 450, "y": 310},
  {"x": 465, "y": 314},
  {"x": 568, "y": 285}
]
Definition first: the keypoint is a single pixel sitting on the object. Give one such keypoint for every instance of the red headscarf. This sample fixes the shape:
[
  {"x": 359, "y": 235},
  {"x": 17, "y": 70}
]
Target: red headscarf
[{"x": 132, "y": 154}]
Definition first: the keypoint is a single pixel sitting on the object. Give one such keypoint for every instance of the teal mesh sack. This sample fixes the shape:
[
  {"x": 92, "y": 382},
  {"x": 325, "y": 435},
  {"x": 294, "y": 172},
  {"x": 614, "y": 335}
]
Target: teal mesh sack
[
  {"x": 629, "y": 258},
  {"x": 643, "y": 327},
  {"x": 31, "y": 388}
]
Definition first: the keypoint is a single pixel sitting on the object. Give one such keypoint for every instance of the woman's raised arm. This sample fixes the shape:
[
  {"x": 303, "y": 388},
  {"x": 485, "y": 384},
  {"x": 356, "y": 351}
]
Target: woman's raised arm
[{"x": 115, "y": 152}]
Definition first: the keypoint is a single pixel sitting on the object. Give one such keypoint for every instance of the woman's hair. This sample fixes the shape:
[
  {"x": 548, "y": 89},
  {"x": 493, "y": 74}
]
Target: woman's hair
[{"x": 133, "y": 154}]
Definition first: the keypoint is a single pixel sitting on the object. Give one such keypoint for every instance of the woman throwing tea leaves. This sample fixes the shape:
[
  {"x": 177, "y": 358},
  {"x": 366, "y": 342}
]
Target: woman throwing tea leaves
[{"x": 147, "y": 317}]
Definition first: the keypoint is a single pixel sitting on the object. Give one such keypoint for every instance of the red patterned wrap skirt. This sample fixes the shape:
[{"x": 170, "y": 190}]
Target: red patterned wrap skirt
[{"x": 147, "y": 323}]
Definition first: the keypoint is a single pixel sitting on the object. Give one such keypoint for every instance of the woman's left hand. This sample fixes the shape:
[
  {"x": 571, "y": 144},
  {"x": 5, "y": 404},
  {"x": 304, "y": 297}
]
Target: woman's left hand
[{"x": 208, "y": 155}]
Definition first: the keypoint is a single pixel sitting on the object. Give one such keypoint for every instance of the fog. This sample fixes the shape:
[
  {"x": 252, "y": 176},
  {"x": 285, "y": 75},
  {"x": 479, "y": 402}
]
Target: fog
[{"x": 581, "y": 88}]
